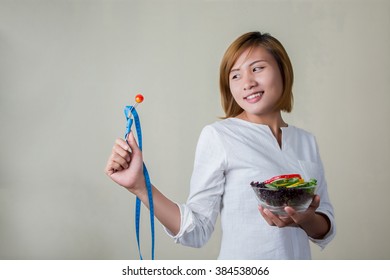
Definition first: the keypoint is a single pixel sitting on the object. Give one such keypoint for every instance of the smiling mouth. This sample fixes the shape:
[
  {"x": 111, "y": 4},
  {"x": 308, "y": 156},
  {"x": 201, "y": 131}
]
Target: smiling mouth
[{"x": 254, "y": 95}]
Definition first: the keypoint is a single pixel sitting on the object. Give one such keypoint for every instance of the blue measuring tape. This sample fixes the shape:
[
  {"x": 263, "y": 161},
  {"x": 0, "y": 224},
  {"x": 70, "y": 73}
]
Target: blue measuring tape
[{"x": 130, "y": 111}]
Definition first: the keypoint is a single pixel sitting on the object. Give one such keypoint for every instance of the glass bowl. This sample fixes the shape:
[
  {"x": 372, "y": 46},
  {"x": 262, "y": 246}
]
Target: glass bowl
[{"x": 276, "y": 200}]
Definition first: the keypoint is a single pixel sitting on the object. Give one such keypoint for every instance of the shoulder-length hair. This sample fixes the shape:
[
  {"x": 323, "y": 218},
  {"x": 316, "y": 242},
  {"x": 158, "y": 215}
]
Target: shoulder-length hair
[{"x": 276, "y": 49}]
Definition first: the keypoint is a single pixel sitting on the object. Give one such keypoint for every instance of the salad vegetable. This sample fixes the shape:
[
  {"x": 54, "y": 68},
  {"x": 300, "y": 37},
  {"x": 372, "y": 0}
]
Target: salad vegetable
[
  {"x": 288, "y": 181},
  {"x": 285, "y": 190}
]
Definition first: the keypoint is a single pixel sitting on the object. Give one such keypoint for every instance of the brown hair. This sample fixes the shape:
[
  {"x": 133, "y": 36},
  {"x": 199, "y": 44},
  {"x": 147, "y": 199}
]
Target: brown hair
[{"x": 276, "y": 49}]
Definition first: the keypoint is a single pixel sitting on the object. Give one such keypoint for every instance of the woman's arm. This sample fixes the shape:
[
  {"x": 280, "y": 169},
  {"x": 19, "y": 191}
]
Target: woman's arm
[{"x": 165, "y": 210}]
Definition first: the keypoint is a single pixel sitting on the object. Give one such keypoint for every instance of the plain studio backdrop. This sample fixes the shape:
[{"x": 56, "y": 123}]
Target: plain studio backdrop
[{"x": 68, "y": 68}]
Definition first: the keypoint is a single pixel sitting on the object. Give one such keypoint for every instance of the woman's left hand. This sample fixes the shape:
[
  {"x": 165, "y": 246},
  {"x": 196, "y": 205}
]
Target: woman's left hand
[{"x": 292, "y": 218}]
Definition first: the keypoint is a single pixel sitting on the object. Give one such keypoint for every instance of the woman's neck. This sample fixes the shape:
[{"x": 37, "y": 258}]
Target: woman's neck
[{"x": 274, "y": 121}]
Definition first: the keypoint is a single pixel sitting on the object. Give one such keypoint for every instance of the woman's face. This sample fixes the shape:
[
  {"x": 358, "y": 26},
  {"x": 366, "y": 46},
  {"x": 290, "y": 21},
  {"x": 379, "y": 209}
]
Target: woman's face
[{"x": 255, "y": 82}]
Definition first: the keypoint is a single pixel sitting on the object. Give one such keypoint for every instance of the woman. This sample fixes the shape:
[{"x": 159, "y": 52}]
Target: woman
[{"x": 252, "y": 143}]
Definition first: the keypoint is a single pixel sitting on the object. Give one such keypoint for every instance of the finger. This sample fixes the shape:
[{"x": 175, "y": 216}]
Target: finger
[
  {"x": 122, "y": 143},
  {"x": 290, "y": 211},
  {"x": 265, "y": 212},
  {"x": 292, "y": 214},
  {"x": 315, "y": 203},
  {"x": 108, "y": 170},
  {"x": 117, "y": 149},
  {"x": 112, "y": 167},
  {"x": 118, "y": 160},
  {"x": 115, "y": 167},
  {"x": 279, "y": 221},
  {"x": 132, "y": 143},
  {"x": 288, "y": 221}
]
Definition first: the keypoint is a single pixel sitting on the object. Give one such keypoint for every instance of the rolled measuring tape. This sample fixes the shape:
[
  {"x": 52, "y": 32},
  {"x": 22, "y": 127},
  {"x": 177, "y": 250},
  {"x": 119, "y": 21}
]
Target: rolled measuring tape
[{"x": 131, "y": 113}]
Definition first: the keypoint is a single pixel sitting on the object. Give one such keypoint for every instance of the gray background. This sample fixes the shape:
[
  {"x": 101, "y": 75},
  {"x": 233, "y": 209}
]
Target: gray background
[{"x": 67, "y": 69}]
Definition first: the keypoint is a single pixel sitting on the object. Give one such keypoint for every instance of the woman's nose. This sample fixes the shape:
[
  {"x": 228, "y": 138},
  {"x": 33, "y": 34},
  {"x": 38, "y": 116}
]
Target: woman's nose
[{"x": 249, "y": 82}]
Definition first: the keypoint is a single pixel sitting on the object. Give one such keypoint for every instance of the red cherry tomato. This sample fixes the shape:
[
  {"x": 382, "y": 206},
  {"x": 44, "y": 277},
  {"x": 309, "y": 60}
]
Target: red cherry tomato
[{"x": 139, "y": 98}]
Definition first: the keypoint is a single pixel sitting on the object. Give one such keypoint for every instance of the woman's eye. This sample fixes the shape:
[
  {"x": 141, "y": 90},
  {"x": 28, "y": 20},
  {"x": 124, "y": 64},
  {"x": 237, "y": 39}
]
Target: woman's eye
[
  {"x": 234, "y": 77},
  {"x": 258, "y": 68}
]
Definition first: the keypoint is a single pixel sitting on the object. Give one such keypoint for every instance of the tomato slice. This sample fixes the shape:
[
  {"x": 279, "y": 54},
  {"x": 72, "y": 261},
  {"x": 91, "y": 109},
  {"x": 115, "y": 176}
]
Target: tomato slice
[{"x": 285, "y": 176}]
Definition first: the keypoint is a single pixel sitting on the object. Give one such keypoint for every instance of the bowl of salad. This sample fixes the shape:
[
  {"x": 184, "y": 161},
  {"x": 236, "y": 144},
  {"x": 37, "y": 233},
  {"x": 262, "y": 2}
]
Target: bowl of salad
[{"x": 285, "y": 190}]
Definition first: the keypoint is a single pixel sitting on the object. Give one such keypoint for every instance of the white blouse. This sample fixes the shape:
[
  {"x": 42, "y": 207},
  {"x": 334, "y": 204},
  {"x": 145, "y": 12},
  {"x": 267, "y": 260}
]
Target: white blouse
[{"x": 230, "y": 155}]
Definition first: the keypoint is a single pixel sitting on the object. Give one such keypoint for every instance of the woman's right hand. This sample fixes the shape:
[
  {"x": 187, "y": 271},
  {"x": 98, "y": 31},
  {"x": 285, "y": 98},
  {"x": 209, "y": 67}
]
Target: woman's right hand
[{"x": 125, "y": 165}]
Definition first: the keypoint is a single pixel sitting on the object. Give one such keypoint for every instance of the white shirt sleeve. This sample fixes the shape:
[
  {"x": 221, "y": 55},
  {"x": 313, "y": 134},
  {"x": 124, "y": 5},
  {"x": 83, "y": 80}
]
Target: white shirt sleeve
[
  {"x": 199, "y": 214},
  {"x": 325, "y": 207}
]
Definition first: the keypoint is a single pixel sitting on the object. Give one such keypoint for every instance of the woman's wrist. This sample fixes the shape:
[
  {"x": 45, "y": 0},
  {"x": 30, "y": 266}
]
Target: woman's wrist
[
  {"x": 317, "y": 226},
  {"x": 140, "y": 191}
]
